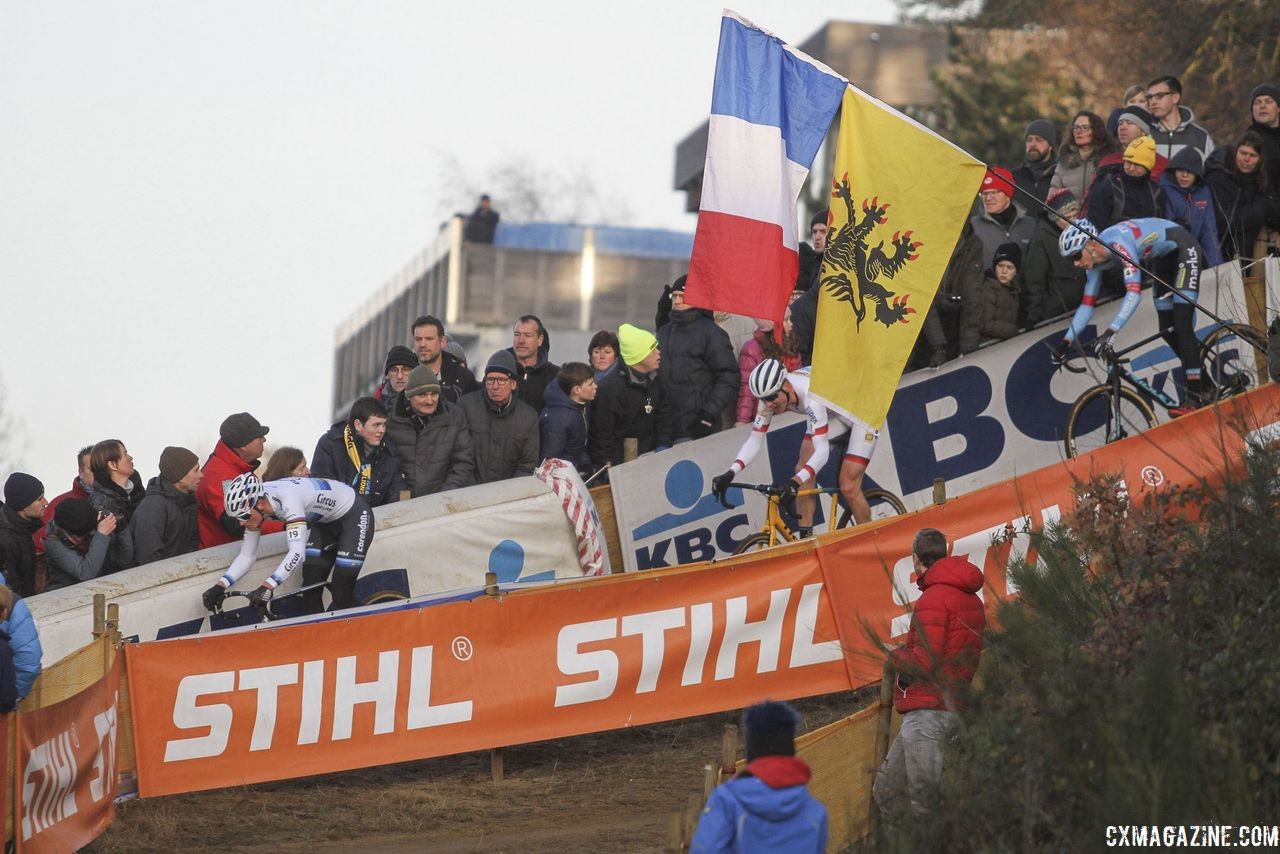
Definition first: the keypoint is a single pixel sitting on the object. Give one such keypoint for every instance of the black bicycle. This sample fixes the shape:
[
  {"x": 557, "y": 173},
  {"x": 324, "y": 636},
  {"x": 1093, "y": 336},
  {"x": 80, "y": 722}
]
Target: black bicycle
[
  {"x": 1122, "y": 405},
  {"x": 282, "y": 606}
]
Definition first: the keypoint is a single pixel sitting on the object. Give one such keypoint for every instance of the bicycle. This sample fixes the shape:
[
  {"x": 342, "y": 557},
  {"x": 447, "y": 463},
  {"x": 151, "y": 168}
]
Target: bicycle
[
  {"x": 293, "y": 605},
  {"x": 1121, "y": 405},
  {"x": 775, "y": 529}
]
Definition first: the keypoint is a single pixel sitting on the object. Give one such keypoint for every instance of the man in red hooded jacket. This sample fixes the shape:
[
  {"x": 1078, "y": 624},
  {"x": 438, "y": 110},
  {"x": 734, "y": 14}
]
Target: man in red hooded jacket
[
  {"x": 240, "y": 445},
  {"x": 934, "y": 668}
]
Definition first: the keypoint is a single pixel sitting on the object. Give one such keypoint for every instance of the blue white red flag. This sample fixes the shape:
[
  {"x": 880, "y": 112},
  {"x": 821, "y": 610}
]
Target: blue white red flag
[{"x": 771, "y": 107}]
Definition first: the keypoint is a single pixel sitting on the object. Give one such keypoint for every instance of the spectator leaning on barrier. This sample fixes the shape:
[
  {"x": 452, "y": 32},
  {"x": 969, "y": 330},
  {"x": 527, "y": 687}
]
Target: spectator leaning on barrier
[
  {"x": 165, "y": 523},
  {"x": 534, "y": 370},
  {"x": 355, "y": 452},
  {"x": 430, "y": 436},
  {"x": 699, "y": 370},
  {"x": 1265, "y": 112},
  {"x": 503, "y": 428},
  {"x": 1002, "y": 219},
  {"x": 933, "y": 671},
  {"x": 20, "y": 518},
  {"x": 24, "y": 639},
  {"x": 1131, "y": 193},
  {"x": 563, "y": 422},
  {"x": 78, "y": 542},
  {"x": 80, "y": 486},
  {"x": 1040, "y": 162},
  {"x": 241, "y": 442},
  {"x": 766, "y": 806},
  {"x": 629, "y": 405},
  {"x": 1173, "y": 128},
  {"x": 429, "y": 340},
  {"x": 1191, "y": 202},
  {"x": 395, "y": 372}
]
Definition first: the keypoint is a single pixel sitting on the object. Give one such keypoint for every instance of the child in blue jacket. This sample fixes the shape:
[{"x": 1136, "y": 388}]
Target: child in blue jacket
[{"x": 1191, "y": 202}]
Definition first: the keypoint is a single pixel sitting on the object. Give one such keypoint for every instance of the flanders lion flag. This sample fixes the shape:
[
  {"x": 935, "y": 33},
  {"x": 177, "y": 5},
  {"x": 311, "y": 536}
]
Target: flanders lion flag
[{"x": 898, "y": 202}]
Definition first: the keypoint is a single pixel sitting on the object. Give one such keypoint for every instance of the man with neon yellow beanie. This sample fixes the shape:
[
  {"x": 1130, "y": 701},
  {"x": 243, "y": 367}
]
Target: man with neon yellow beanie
[{"x": 629, "y": 404}]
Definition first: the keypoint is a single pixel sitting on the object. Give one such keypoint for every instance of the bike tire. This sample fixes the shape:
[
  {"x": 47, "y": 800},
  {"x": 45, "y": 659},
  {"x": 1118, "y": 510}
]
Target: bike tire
[
  {"x": 758, "y": 540},
  {"x": 1220, "y": 357},
  {"x": 383, "y": 596},
  {"x": 883, "y": 505},
  {"x": 1092, "y": 414}
]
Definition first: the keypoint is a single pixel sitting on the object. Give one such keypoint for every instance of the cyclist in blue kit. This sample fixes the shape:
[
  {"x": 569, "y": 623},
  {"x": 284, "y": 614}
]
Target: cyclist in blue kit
[{"x": 1173, "y": 257}]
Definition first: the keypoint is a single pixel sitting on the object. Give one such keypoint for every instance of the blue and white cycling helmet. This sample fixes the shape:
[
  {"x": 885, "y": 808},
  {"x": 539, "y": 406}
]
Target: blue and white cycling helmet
[
  {"x": 240, "y": 494},
  {"x": 1075, "y": 236},
  {"x": 766, "y": 378}
]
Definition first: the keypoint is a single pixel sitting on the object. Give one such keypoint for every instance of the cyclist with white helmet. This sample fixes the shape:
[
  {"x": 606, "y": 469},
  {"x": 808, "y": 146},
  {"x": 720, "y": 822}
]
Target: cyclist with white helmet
[
  {"x": 779, "y": 390},
  {"x": 1169, "y": 252},
  {"x": 327, "y": 527}
]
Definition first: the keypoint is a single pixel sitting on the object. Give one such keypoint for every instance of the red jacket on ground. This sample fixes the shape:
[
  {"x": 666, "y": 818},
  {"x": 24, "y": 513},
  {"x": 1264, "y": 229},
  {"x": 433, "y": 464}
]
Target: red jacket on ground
[
  {"x": 945, "y": 639},
  {"x": 223, "y": 464},
  {"x": 77, "y": 491}
]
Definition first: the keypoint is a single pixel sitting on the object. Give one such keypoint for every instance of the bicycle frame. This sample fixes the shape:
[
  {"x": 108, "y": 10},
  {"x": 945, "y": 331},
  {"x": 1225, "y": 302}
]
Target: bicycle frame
[
  {"x": 774, "y": 525},
  {"x": 1118, "y": 373}
]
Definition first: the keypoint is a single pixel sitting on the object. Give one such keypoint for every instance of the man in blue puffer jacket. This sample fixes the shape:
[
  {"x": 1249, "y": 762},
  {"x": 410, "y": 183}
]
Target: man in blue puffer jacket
[
  {"x": 766, "y": 807},
  {"x": 1191, "y": 202},
  {"x": 16, "y": 622}
]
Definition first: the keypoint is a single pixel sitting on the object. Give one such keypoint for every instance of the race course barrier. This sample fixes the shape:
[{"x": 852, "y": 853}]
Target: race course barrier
[{"x": 238, "y": 707}]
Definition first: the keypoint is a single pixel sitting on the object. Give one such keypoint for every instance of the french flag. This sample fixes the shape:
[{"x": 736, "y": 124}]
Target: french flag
[{"x": 771, "y": 107}]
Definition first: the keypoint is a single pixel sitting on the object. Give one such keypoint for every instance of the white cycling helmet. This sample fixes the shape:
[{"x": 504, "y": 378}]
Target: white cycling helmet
[
  {"x": 766, "y": 378},
  {"x": 240, "y": 494},
  {"x": 1075, "y": 236}
]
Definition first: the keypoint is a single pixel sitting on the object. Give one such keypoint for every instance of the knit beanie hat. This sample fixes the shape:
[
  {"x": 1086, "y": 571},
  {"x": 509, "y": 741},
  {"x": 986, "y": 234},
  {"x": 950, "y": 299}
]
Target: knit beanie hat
[
  {"x": 1142, "y": 151},
  {"x": 502, "y": 362},
  {"x": 1136, "y": 115},
  {"x": 820, "y": 218},
  {"x": 771, "y": 729},
  {"x": 636, "y": 343},
  {"x": 1063, "y": 202},
  {"x": 399, "y": 355},
  {"x": 998, "y": 178},
  {"x": 1007, "y": 252},
  {"x": 454, "y": 349},
  {"x": 1188, "y": 160},
  {"x": 1271, "y": 90},
  {"x": 421, "y": 380},
  {"x": 21, "y": 490},
  {"x": 1044, "y": 129},
  {"x": 76, "y": 516},
  {"x": 176, "y": 463}
]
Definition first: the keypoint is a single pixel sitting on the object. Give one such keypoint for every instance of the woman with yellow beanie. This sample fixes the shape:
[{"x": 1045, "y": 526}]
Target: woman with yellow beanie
[{"x": 1130, "y": 193}]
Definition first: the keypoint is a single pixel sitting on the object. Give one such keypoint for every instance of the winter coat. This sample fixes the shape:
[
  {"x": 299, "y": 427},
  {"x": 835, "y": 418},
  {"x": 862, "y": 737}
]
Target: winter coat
[
  {"x": 330, "y": 459},
  {"x": 563, "y": 426},
  {"x": 993, "y": 234},
  {"x": 699, "y": 372},
  {"x": 505, "y": 441},
  {"x": 164, "y": 524},
  {"x": 1036, "y": 179},
  {"x": 1187, "y": 133},
  {"x": 944, "y": 643},
  {"x": 804, "y": 322},
  {"x": 77, "y": 490},
  {"x": 107, "y": 497},
  {"x": 988, "y": 313},
  {"x": 1192, "y": 208},
  {"x": 1270, "y": 148},
  {"x": 1076, "y": 173},
  {"x": 456, "y": 380},
  {"x": 533, "y": 379},
  {"x": 8, "y": 676},
  {"x": 216, "y": 527},
  {"x": 1240, "y": 207},
  {"x": 435, "y": 450},
  {"x": 1116, "y": 197},
  {"x": 18, "y": 550},
  {"x": 481, "y": 226},
  {"x": 69, "y": 565},
  {"x": 753, "y": 354},
  {"x": 1051, "y": 284},
  {"x": 627, "y": 406},
  {"x": 25, "y": 641},
  {"x": 767, "y": 807}
]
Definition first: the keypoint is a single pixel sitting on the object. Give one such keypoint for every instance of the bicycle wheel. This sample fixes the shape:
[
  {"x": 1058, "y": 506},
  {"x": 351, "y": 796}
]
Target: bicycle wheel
[
  {"x": 883, "y": 505},
  {"x": 1094, "y": 421},
  {"x": 758, "y": 540},
  {"x": 384, "y": 596},
  {"x": 1228, "y": 363}
]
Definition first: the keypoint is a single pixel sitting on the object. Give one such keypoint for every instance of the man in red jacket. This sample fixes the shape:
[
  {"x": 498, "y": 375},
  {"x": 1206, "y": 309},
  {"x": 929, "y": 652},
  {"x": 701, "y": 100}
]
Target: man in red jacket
[
  {"x": 934, "y": 668},
  {"x": 238, "y": 451}
]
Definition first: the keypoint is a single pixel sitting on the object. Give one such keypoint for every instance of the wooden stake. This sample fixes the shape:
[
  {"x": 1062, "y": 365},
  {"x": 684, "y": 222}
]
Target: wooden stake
[
  {"x": 728, "y": 752},
  {"x": 939, "y": 491},
  {"x": 491, "y": 584},
  {"x": 495, "y": 764},
  {"x": 99, "y": 614}
]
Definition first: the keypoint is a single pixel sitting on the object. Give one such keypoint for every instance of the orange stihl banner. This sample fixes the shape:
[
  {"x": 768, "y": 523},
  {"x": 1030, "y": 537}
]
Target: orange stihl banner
[
  {"x": 233, "y": 708},
  {"x": 66, "y": 768}
]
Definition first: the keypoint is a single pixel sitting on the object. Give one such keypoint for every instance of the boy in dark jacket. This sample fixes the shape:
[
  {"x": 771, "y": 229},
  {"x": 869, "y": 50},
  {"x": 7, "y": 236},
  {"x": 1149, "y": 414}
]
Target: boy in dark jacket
[
  {"x": 766, "y": 807},
  {"x": 564, "y": 420},
  {"x": 629, "y": 404},
  {"x": 355, "y": 452},
  {"x": 1191, "y": 202}
]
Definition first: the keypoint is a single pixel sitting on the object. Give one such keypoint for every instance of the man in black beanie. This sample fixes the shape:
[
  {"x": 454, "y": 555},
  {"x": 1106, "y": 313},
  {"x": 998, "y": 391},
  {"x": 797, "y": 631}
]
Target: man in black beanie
[
  {"x": 20, "y": 518},
  {"x": 395, "y": 372},
  {"x": 1036, "y": 171},
  {"x": 766, "y": 807}
]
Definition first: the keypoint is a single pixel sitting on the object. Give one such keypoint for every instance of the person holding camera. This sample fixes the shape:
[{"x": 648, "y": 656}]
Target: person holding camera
[{"x": 78, "y": 543}]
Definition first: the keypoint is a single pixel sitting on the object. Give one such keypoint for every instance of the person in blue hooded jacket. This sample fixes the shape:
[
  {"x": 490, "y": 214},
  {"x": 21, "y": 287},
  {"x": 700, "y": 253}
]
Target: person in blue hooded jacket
[
  {"x": 16, "y": 622},
  {"x": 1191, "y": 202},
  {"x": 767, "y": 806}
]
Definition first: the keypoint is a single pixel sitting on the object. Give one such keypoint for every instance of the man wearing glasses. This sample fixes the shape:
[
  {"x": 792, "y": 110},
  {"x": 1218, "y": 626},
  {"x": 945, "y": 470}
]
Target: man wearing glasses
[
  {"x": 1173, "y": 129},
  {"x": 780, "y": 390},
  {"x": 504, "y": 429}
]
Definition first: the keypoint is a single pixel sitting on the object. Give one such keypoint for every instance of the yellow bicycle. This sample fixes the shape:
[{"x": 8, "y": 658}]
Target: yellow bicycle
[{"x": 775, "y": 529}]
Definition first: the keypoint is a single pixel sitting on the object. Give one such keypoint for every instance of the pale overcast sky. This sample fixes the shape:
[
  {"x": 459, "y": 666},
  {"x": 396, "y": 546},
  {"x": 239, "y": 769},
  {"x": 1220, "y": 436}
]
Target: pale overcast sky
[{"x": 194, "y": 194}]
